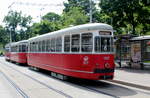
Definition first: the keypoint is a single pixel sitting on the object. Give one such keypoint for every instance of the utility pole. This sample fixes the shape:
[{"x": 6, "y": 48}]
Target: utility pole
[
  {"x": 10, "y": 35},
  {"x": 90, "y": 1}
]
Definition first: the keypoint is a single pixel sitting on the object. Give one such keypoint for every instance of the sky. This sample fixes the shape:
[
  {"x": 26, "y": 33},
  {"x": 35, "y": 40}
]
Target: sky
[{"x": 35, "y": 8}]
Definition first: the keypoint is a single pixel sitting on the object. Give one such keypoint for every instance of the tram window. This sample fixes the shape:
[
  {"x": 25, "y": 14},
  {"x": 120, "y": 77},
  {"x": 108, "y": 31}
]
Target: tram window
[
  {"x": 24, "y": 48},
  {"x": 105, "y": 44},
  {"x": 20, "y": 48},
  {"x": 13, "y": 48},
  {"x": 58, "y": 44},
  {"x": 30, "y": 47},
  {"x": 40, "y": 46},
  {"x": 75, "y": 45},
  {"x": 36, "y": 46},
  {"x": 47, "y": 45},
  {"x": 87, "y": 42},
  {"x": 7, "y": 49},
  {"x": 67, "y": 43},
  {"x": 112, "y": 44},
  {"x": 17, "y": 48},
  {"x": 97, "y": 44},
  {"x": 43, "y": 46},
  {"x": 53, "y": 44}
]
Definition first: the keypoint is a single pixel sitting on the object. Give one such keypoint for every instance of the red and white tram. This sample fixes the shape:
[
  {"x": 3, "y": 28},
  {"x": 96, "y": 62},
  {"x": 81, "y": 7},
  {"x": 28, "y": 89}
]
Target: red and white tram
[
  {"x": 84, "y": 51},
  {"x": 19, "y": 51},
  {"x": 7, "y": 52}
]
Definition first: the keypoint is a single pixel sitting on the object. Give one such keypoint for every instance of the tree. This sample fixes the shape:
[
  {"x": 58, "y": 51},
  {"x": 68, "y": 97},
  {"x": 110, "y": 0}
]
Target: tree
[
  {"x": 43, "y": 27},
  {"x": 75, "y": 16},
  {"x": 15, "y": 20},
  {"x": 82, "y": 4},
  {"x": 4, "y": 38},
  {"x": 125, "y": 13},
  {"x": 52, "y": 17}
]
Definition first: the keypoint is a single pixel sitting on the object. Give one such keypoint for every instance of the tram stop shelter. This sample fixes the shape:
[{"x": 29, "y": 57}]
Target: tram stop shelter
[
  {"x": 140, "y": 52},
  {"x": 123, "y": 48}
]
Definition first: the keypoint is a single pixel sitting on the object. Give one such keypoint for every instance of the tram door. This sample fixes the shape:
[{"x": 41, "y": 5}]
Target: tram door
[{"x": 136, "y": 54}]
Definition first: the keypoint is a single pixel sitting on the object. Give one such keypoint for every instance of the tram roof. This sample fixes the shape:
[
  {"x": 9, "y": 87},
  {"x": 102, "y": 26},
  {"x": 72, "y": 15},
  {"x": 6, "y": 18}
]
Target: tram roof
[
  {"x": 141, "y": 38},
  {"x": 74, "y": 30},
  {"x": 19, "y": 42}
]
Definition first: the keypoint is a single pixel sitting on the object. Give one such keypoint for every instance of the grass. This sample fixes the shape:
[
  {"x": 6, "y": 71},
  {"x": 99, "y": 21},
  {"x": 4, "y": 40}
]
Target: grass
[{"x": 146, "y": 61}]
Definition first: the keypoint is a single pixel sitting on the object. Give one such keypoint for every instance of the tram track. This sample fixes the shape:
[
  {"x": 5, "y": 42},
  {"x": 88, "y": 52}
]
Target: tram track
[
  {"x": 66, "y": 95},
  {"x": 91, "y": 88},
  {"x": 36, "y": 80},
  {"x": 82, "y": 85},
  {"x": 19, "y": 90}
]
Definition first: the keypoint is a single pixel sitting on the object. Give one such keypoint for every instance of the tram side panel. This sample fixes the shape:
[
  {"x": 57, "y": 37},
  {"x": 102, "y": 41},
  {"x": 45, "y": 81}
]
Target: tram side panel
[
  {"x": 19, "y": 57},
  {"x": 85, "y": 66}
]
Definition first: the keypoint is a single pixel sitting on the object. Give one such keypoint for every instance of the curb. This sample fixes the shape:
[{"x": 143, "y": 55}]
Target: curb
[{"x": 130, "y": 84}]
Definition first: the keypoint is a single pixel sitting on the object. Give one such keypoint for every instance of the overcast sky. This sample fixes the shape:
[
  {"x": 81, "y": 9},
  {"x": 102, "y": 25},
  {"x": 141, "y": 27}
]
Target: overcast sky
[{"x": 32, "y": 8}]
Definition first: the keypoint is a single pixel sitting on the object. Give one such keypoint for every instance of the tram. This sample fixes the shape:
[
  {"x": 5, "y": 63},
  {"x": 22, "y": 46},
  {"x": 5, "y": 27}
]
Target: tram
[
  {"x": 84, "y": 51},
  {"x": 18, "y": 52},
  {"x": 7, "y": 52},
  {"x": 140, "y": 52}
]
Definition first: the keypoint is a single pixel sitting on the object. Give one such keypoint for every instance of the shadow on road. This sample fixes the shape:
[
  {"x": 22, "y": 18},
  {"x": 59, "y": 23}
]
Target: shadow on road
[{"x": 105, "y": 87}]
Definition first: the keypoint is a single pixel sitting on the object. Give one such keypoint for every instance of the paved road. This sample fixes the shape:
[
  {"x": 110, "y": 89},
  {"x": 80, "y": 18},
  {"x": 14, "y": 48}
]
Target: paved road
[{"x": 34, "y": 84}]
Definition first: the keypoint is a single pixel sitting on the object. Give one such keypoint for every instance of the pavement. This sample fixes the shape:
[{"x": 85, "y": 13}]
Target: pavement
[{"x": 133, "y": 77}]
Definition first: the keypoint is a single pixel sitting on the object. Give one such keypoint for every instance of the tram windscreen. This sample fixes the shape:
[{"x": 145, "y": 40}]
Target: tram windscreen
[{"x": 103, "y": 44}]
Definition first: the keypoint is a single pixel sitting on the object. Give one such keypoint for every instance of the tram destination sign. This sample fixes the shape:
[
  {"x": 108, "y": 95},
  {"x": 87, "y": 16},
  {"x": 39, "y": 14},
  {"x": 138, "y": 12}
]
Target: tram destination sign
[{"x": 104, "y": 33}]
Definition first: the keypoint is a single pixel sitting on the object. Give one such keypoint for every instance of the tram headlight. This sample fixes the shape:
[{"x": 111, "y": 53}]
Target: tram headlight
[{"x": 107, "y": 65}]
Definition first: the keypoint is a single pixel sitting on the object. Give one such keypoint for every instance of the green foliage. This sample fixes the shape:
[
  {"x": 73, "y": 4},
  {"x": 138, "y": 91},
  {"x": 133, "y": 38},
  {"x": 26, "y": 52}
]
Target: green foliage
[
  {"x": 74, "y": 16},
  {"x": 101, "y": 17},
  {"x": 126, "y": 16},
  {"x": 52, "y": 17},
  {"x": 4, "y": 37},
  {"x": 53, "y": 22},
  {"x": 43, "y": 27},
  {"x": 82, "y": 4},
  {"x": 15, "y": 20},
  {"x": 127, "y": 13}
]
